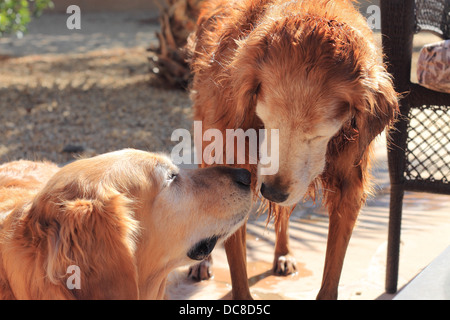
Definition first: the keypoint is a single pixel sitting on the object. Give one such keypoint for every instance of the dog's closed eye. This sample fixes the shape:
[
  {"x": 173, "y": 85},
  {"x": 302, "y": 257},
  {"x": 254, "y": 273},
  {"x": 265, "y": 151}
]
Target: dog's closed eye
[{"x": 171, "y": 176}]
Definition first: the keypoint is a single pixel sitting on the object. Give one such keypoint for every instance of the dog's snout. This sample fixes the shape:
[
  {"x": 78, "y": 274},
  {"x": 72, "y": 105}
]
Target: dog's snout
[
  {"x": 273, "y": 194},
  {"x": 242, "y": 177}
]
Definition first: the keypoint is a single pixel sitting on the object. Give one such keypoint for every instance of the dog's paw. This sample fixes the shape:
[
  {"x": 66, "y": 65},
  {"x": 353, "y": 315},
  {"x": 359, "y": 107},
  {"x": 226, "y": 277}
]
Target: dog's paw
[
  {"x": 284, "y": 265},
  {"x": 201, "y": 271}
]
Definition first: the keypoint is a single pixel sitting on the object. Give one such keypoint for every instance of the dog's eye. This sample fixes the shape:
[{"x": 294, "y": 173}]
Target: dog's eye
[{"x": 172, "y": 176}]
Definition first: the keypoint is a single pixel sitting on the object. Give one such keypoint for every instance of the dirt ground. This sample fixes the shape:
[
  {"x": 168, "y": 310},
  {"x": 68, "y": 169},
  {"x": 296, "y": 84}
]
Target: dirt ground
[
  {"x": 89, "y": 91},
  {"x": 99, "y": 101}
]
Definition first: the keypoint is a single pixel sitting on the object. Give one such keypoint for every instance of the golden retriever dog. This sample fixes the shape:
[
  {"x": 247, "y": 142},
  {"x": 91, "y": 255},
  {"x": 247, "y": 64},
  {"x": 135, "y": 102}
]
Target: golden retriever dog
[
  {"x": 124, "y": 220},
  {"x": 312, "y": 70}
]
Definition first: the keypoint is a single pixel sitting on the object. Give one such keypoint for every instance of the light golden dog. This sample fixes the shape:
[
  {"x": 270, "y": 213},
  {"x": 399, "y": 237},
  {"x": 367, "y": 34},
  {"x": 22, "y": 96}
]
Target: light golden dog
[
  {"x": 125, "y": 219},
  {"x": 312, "y": 70}
]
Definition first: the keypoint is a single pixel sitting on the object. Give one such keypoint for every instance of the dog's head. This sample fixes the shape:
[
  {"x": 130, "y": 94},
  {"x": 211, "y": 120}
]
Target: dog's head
[
  {"x": 196, "y": 209},
  {"x": 127, "y": 218},
  {"x": 313, "y": 79}
]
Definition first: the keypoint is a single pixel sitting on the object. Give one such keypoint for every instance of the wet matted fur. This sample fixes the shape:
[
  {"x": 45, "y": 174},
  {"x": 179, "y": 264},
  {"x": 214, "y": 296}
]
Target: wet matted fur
[{"x": 312, "y": 70}]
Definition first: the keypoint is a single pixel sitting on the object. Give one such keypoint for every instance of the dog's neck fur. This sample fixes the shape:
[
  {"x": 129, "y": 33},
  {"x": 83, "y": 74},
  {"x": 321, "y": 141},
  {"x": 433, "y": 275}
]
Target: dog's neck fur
[{"x": 153, "y": 268}]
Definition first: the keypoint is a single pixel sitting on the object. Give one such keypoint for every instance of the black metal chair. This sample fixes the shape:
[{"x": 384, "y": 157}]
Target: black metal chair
[{"x": 419, "y": 155}]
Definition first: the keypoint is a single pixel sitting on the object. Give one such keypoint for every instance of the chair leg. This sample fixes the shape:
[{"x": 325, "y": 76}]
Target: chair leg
[{"x": 393, "y": 250}]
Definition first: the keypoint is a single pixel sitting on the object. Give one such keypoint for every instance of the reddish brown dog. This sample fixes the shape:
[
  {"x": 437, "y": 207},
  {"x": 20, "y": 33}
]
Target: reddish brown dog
[{"x": 312, "y": 70}]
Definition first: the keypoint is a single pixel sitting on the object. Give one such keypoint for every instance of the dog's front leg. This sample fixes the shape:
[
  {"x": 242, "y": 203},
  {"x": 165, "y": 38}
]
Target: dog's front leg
[
  {"x": 343, "y": 206},
  {"x": 283, "y": 263},
  {"x": 235, "y": 248}
]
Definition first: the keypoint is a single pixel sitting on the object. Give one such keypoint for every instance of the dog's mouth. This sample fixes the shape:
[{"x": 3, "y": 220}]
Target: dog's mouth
[{"x": 203, "y": 248}]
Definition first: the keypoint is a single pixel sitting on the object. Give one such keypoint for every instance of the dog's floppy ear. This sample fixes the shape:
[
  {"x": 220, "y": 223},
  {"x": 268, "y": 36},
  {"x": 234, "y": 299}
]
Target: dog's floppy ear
[
  {"x": 96, "y": 239},
  {"x": 244, "y": 78},
  {"x": 378, "y": 108}
]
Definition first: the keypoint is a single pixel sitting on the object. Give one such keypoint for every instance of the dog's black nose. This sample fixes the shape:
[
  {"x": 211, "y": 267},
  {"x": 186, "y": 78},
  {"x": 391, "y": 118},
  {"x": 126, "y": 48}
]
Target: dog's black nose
[
  {"x": 273, "y": 194},
  {"x": 242, "y": 176}
]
